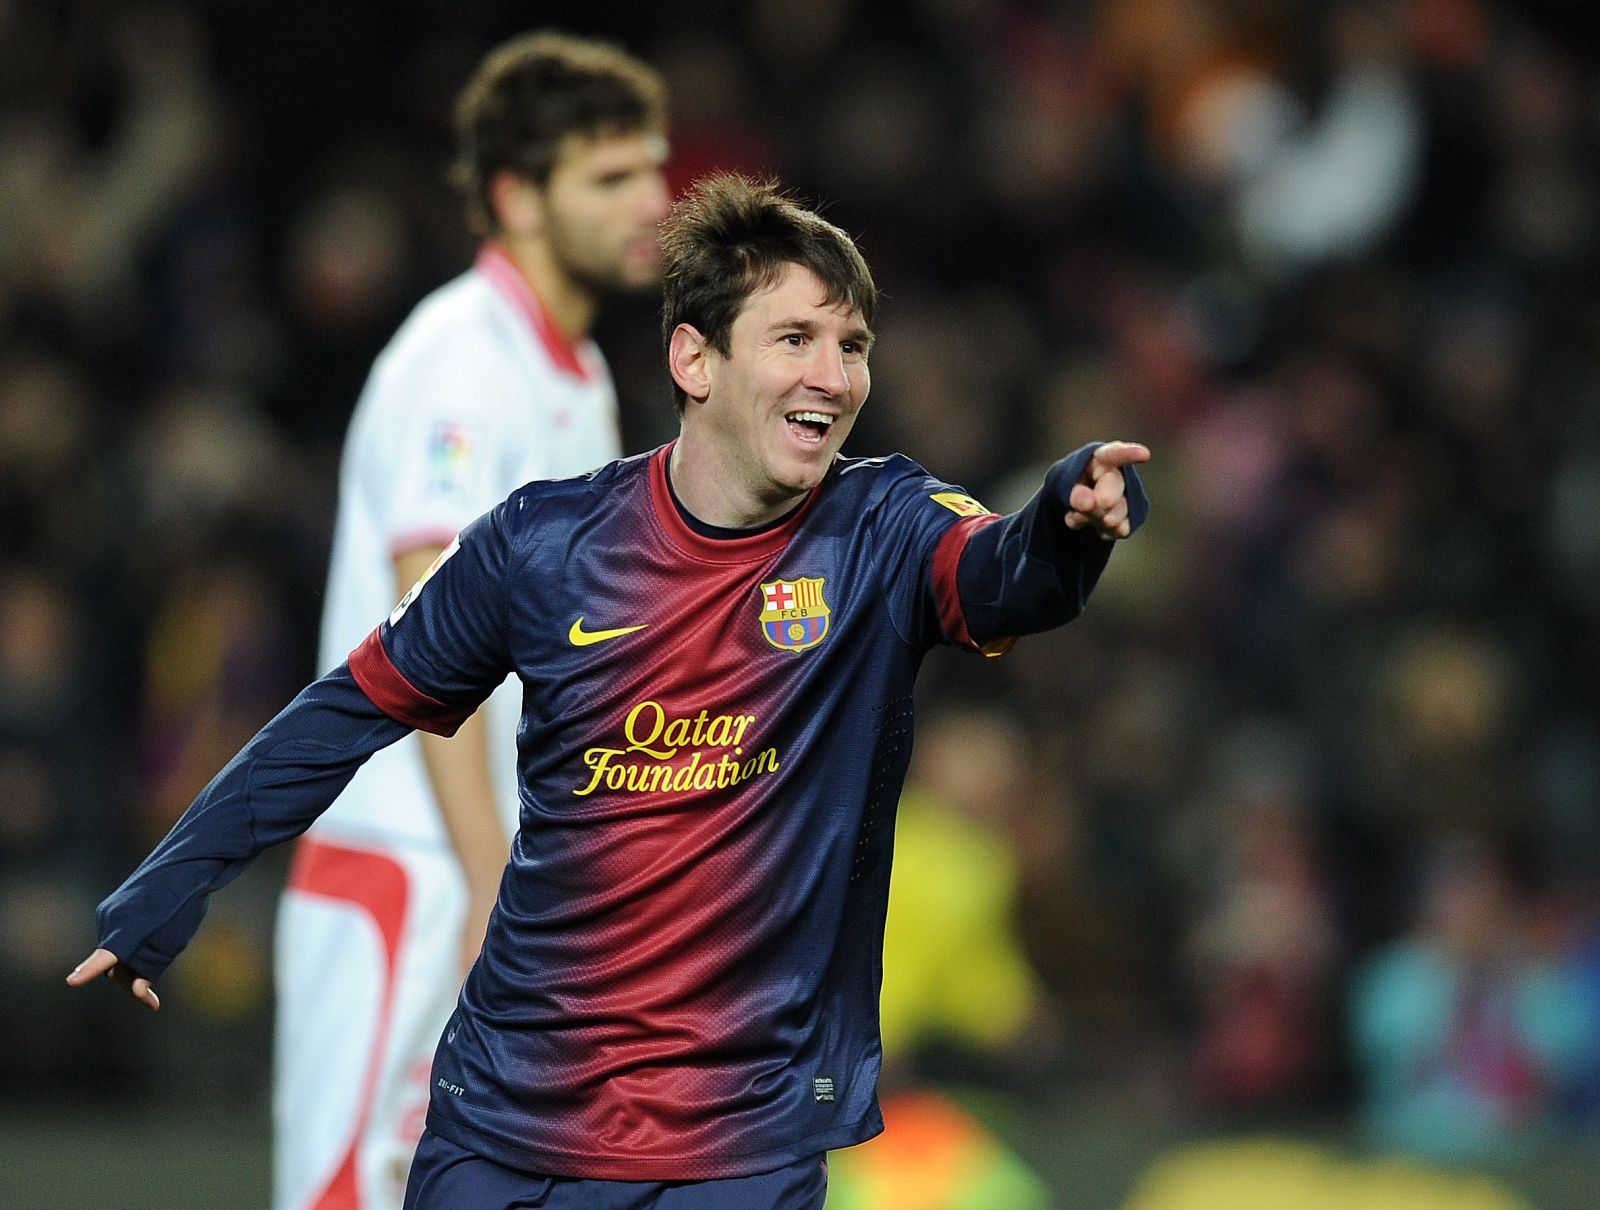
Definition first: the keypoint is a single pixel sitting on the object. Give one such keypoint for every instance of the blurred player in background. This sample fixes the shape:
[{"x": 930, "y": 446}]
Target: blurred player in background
[{"x": 492, "y": 382}]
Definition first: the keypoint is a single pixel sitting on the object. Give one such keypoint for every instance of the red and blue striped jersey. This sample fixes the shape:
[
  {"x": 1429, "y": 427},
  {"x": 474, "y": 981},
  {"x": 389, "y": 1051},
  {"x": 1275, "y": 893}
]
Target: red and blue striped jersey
[{"x": 680, "y": 978}]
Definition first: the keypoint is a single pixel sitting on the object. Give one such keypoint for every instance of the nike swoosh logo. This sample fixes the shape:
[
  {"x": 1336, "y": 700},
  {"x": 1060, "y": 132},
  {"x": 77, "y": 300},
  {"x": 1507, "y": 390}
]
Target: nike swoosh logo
[{"x": 579, "y": 637}]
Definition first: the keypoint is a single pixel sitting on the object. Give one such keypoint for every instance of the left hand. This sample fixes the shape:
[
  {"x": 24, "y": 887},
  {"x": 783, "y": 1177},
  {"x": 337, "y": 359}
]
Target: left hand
[
  {"x": 1099, "y": 500},
  {"x": 104, "y": 962}
]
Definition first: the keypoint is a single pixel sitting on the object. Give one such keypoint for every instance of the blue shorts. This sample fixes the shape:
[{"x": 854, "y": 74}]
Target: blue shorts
[{"x": 447, "y": 1177}]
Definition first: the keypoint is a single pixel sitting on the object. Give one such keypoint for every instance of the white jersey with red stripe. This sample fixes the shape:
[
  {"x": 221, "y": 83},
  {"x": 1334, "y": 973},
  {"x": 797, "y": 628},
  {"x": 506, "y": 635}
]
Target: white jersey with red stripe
[{"x": 477, "y": 394}]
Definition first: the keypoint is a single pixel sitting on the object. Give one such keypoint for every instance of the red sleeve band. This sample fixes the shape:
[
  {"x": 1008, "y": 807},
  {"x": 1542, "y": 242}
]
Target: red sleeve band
[
  {"x": 397, "y": 697},
  {"x": 947, "y": 593}
]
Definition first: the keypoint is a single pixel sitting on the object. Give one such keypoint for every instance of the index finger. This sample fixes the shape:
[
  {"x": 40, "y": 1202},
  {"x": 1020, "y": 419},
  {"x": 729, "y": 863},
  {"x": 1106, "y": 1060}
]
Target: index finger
[
  {"x": 92, "y": 967},
  {"x": 1120, "y": 453}
]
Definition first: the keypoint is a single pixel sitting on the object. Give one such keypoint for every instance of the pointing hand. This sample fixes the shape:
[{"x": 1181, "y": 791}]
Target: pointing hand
[{"x": 1100, "y": 499}]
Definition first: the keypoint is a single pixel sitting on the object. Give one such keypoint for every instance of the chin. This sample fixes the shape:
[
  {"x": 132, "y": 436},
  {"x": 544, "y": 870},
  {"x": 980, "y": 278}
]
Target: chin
[
  {"x": 620, "y": 278},
  {"x": 640, "y": 272},
  {"x": 640, "y": 280},
  {"x": 803, "y": 479}
]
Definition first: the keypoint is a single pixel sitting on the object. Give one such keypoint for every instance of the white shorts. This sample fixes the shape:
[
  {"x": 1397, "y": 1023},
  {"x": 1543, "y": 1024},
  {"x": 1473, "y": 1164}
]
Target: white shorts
[{"x": 367, "y": 965}]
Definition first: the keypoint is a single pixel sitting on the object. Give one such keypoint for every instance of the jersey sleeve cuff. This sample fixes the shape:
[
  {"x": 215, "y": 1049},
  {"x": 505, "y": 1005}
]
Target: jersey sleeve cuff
[{"x": 396, "y": 696}]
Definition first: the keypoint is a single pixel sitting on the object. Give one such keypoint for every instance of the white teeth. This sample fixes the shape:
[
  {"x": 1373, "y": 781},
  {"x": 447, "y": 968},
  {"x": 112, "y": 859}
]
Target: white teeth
[{"x": 815, "y": 417}]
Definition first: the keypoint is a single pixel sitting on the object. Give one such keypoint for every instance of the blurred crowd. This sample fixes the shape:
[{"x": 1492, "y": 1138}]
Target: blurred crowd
[{"x": 1302, "y": 816}]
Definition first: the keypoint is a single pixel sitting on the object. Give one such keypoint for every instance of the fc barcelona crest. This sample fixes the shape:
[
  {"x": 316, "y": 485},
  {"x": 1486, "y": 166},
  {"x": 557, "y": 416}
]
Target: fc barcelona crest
[{"x": 794, "y": 615}]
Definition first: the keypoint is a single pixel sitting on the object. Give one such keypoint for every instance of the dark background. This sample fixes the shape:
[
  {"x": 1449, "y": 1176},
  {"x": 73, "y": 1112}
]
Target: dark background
[{"x": 1334, "y": 262}]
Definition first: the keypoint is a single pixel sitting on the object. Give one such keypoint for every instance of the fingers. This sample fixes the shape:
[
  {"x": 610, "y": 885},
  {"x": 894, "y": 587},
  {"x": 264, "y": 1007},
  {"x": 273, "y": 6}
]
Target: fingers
[
  {"x": 1103, "y": 507},
  {"x": 136, "y": 986},
  {"x": 1116, "y": 517},
  {"x": 96, "y": 964},
  {"x": 1113, "y": 524},
  {"x": 104, "y": 962},
  {"x": 1109, "y": 488},
  {"x": 1100, "y": 500},
  {"x": 1099, "y": 497}
]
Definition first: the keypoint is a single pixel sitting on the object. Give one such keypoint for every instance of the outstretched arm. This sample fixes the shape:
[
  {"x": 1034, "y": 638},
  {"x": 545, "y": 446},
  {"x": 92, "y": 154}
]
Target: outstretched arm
[
  {"x": 1035, "y": 568},
  {"x": 270, "y": 792},
  {"x": 428, "y": 667}
]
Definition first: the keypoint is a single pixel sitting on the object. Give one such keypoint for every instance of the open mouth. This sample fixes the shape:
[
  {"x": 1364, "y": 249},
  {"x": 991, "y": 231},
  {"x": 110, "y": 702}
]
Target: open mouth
[{"x": 809, "y": 426}]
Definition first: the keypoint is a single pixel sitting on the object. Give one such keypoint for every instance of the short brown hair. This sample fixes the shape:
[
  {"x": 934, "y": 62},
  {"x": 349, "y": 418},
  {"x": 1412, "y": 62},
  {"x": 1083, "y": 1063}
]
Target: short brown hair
[
  {"x": 731, "y": 236},
  {"x": 531, "y": 93}
]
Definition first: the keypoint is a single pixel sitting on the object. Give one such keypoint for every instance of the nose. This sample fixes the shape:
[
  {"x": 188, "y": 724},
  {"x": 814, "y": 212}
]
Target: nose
[
  {"x": 825, "y": 370},
  {"x": 657, "y": 200}
]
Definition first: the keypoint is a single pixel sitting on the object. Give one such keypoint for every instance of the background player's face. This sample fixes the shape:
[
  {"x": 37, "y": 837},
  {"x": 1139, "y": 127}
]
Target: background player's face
[
  {"x": 603, "y": 202},
  {"x": 784, "y": 399}
]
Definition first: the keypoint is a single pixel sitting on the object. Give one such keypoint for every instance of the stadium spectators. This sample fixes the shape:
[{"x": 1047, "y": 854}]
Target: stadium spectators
[{"x": 1076, "y": 212}]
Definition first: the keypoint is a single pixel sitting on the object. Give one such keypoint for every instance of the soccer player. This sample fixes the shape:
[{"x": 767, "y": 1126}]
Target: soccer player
[
  {"x": 675, "y": 1005},
  {"x": 490, "y": 383}
]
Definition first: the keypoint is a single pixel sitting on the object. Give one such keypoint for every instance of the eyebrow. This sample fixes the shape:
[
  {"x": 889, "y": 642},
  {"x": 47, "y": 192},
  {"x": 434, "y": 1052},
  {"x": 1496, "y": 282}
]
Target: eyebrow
[{"x": 860, "y": 335}]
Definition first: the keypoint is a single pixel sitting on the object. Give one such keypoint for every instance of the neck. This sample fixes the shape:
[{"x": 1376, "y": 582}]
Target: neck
[
  {"x": 570, "y": 305},
  {"x": 710, "y": 487}
]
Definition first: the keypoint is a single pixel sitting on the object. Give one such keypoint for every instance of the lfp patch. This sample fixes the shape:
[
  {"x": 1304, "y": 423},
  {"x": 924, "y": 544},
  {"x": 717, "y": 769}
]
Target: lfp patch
[
  {"x": 961, "y": 504},
  {"x": 794, "y": 615},
  {"x": 452, "y": 450}
]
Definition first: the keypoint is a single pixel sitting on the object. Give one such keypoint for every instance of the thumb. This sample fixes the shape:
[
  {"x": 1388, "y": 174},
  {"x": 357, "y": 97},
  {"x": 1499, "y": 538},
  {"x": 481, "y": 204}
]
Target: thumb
[{"x": 92, "y": 967}]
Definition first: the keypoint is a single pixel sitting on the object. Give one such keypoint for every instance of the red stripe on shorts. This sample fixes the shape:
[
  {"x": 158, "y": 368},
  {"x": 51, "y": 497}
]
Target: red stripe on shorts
[{"x": 377, "y": 884}]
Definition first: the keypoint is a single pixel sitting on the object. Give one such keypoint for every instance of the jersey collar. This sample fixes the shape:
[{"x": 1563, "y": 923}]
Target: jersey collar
[
  {"x": 717, "y": 550},
  {"x": 504, "y": 275}
]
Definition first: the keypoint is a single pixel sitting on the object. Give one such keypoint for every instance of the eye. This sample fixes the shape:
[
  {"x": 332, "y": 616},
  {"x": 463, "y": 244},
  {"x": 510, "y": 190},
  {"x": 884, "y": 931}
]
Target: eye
[
  {"x": 617, "y": 178},
  {"x": 795, "y": 339}
]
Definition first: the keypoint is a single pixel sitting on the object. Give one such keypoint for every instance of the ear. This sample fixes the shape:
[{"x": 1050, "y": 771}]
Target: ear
[
  {"x": 689, "y": 359},
  {"x": 518, "y": 205}
]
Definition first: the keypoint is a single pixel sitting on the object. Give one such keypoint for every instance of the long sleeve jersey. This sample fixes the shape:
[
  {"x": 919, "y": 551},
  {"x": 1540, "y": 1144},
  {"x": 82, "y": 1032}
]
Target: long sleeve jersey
[{"x": 680, "y": 978}]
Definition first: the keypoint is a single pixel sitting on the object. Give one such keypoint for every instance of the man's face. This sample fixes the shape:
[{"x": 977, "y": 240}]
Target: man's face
[
  {"x": 785, "y": 397},
  {"x": 603, "y": 201}
]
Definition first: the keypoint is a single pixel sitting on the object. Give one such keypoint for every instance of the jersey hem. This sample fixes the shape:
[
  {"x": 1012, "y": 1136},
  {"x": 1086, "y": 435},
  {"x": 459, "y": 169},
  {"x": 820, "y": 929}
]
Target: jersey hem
[{"x": 654, "y": 1168}]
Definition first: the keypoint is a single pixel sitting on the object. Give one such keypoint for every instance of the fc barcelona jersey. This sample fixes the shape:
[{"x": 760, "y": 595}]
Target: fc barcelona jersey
[{"x": 681, "y": 976}]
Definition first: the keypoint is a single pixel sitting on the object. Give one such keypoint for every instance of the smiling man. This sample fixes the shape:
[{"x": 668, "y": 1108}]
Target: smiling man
[{"x": 676, "y": 1002}]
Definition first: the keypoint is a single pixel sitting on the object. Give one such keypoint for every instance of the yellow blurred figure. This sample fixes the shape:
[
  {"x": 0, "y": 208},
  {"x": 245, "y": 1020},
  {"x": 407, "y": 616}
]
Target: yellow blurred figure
[
  {"x": 1269, "y": 1175},
  {"x": 952, "y": 967}
]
